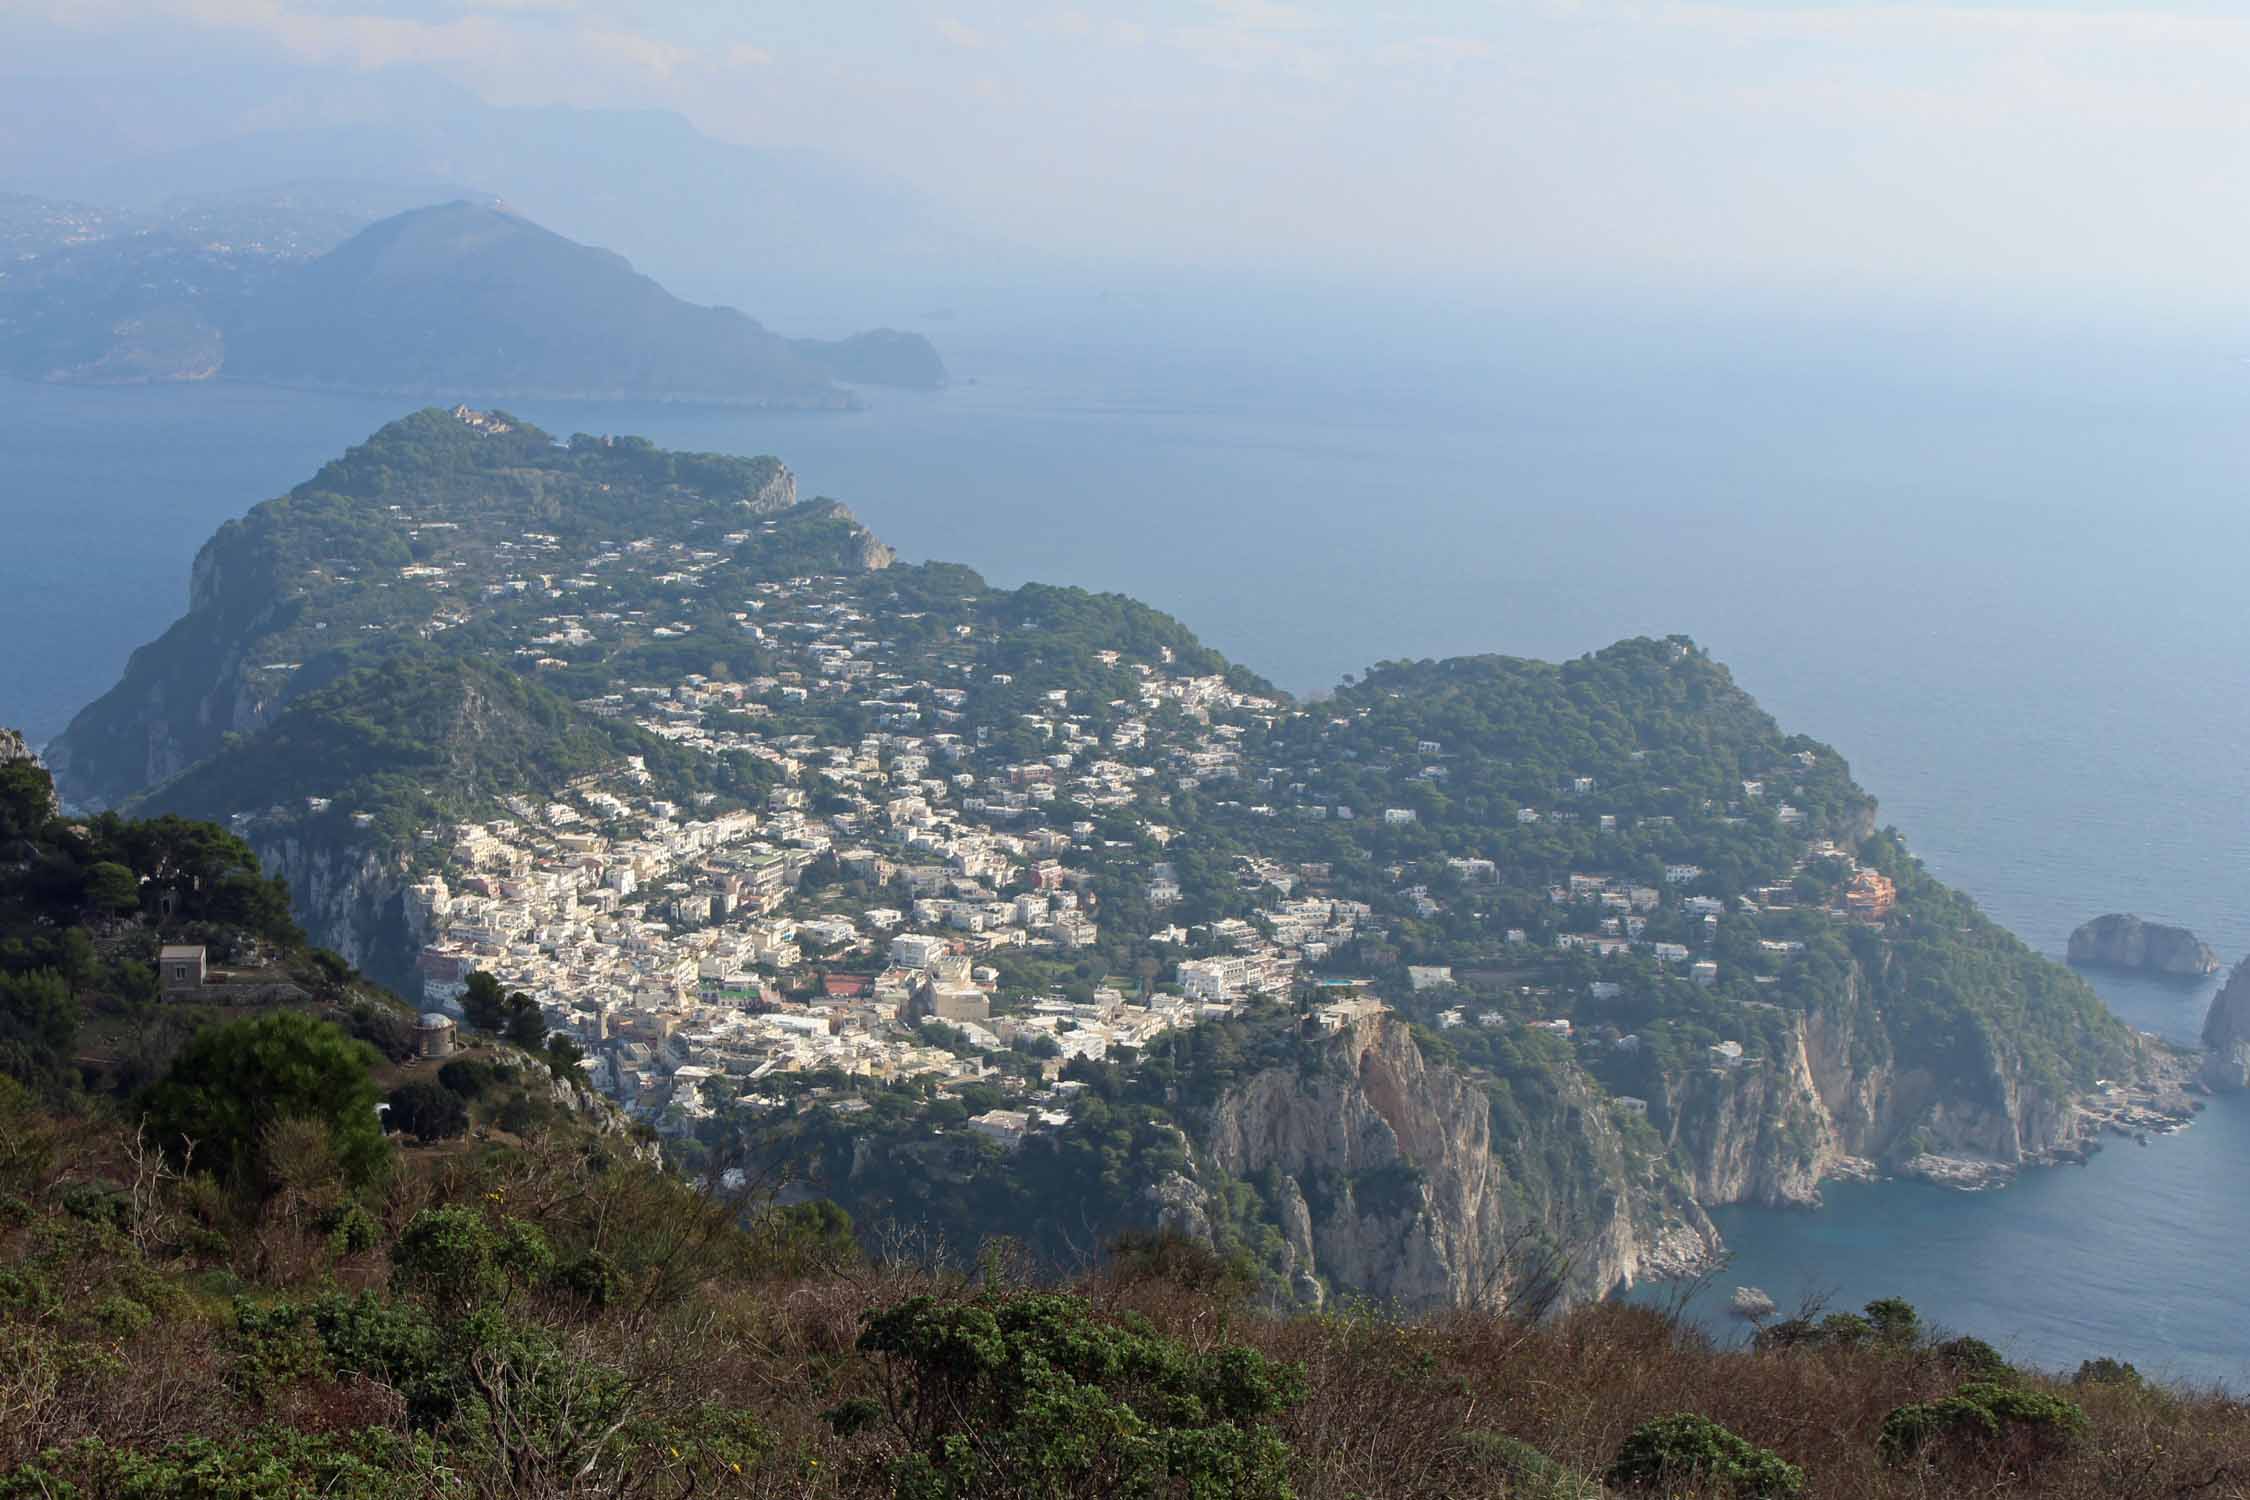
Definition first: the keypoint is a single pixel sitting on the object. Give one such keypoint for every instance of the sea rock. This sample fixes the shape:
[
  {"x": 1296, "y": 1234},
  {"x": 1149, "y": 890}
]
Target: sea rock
[
  {"x": 2121, "y": 940},
  {"x": 1752, "y": 1303},
  {"x": 1968, "y": 1173},
  {"x": 2226, "y": 1035}
]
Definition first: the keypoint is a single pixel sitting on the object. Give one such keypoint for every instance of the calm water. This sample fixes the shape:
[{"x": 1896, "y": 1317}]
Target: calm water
[{"x": 2003, "y": 582}]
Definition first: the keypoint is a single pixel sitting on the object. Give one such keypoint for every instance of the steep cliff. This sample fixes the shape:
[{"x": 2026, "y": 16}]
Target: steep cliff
[
  {"x": 350, "y": 898},
  {"x": 2123, "y": 941},
  {"x": 2226, "y": 1034},
  {"x": 1834, "y": 1099},
  {"x": 1387, "y": 1181}
]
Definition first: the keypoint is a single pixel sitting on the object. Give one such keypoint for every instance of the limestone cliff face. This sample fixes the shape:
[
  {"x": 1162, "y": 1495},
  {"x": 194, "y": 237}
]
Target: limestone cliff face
[
  {"x": 777, "y": 493},
  {"x": 2123, "y": 941},
  {"x": 1391, "y": 1185},
  {"x": 349, "y": 898},
  {"x": 1834, "y": 1097},
  {"x": 2226, "y": 1035},
  {"x": 1384, "y": 1176}
]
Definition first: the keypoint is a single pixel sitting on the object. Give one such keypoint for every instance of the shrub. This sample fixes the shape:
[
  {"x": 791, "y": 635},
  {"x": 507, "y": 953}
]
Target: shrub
[
  {"x": 1183, "y": 1261},
  {"x": 102, "y": 1203},
  {"x": 1790, "y": 1333},
  {"x": 1974, "y": 1359},
  {"x": 591, "y": 1278},
  {"x": 1913, "y": 1428},
  {"x": 231, "y": 1082},
  {"x": 1686, "y": 1449},
  {"x": 468, "y": 1076},
  {"x": 351, "y": 1230},
  {"x": 456, "y": 1258},
  {"x": 268, "y": 1464},
  {"x": 121, "y": 1317},
  {"x": 2106, "y": 1371},
  {"x": 805, "y": 1239},
  {"x": 1845, "y": 1330},
  {"x": 449, "y": 1255},
  {"x": 2035, "y": 1425},
  {"x": 1895, "y": 1321},
  {"x": 1033, "y": 1395},
  {"x": 428, "y": 1111}
]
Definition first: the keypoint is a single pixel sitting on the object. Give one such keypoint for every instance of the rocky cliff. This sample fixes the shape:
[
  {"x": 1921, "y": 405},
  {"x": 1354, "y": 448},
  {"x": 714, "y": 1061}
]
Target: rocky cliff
[
  {"x": 14, "y": 748},
  {"x": 2123, "y": 941},
  {"x": 1391, "y": 1185},
  {"x": 349, "y": 898},
  {"x": 1388, "y": 1176},
  {"x": 2226, "y": 1034},
  {"x": 1833, "y": 1099}
]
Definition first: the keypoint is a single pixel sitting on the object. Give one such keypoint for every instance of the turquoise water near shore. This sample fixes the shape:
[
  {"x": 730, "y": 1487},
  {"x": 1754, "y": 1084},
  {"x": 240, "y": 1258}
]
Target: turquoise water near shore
[{"x": 2009, "y": 593}]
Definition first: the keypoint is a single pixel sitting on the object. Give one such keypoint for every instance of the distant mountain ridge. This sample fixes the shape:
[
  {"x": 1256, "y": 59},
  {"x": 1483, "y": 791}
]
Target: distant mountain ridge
[{"x": 464, "y": 299}]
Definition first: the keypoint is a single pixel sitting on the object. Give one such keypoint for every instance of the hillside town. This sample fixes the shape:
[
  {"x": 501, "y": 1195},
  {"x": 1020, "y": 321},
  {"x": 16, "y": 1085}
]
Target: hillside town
[
  {"x": 855, "y": 926},
  {"x": 929, "y": 882}
]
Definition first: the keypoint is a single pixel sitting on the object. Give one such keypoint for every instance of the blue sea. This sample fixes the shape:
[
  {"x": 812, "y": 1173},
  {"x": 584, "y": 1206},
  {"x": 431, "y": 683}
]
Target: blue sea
[{"x": 2000, "y": 572}]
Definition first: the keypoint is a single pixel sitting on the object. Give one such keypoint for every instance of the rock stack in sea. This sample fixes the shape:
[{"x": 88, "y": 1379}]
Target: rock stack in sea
[
  {"x": 2226, "y": 1035},
  {"x": 2121, "y": 940}
]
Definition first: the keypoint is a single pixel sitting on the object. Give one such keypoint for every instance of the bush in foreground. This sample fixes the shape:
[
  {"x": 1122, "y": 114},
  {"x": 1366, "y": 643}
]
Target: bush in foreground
[
  {"x": 1687, "y": 1450},
  {"x": 2033, "y": 1425},
  {"x": 1032, "y": 1394}
]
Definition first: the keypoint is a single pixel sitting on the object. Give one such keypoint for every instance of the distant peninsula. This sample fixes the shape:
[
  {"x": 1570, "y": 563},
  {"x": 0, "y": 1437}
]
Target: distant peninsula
[
  {"x": 462, "y": 300},
  {"x": 2121, "y": 940}
]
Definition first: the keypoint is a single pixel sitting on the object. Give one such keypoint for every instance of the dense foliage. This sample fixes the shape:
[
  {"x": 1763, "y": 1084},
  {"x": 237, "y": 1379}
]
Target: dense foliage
[
  {"x": 1034, "y": 1395},
  {"x": 233, "y": 1084}
]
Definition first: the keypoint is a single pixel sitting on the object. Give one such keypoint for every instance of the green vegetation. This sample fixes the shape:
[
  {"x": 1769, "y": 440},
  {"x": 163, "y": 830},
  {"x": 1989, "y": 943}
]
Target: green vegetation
[
  {"x": 233, "y": 1085},
  {"x": 1033, "y": 1395},
  {"x": 407, "y": 741},
  {"x": 1685, "y": 1449},
  {"x": 2033, "y": 1425}
]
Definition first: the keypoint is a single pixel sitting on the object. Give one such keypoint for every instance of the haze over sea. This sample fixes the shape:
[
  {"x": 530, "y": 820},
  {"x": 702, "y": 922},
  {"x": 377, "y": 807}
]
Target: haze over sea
[{"x": 1999, "y": 573}]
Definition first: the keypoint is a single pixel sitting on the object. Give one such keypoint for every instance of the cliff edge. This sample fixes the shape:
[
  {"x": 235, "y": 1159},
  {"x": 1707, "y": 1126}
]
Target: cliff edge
[
  {"x": 2226, "y": 1035},
  {"x": 1392, "y": 1183}
]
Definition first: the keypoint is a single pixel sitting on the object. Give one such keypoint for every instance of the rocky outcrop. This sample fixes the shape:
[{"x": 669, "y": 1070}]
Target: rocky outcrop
[
  {"x": 2121, "y": 940},
  {"x": 776, "y": 494},
  {"x": 1387, "y": 1176},
  {"x": 1387, "y": 1181},
  {"x": 14, "y": 748},
  {"x": 2226, "y": 1035},
  {"x": 1834, "y": 1098},
  {"x": 350, "y": 899},
  {"x": 873, "y": 554}
]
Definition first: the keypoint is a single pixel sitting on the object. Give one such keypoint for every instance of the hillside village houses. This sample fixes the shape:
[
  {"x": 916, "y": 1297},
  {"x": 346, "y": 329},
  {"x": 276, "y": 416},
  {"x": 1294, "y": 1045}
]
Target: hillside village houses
[
  {"x": 686, "y": 951},
  {"x": 666, "y": 942}
]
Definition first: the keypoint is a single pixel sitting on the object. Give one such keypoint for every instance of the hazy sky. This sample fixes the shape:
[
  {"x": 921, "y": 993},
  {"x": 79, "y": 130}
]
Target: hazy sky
[{"x": 1990, "y": 148}]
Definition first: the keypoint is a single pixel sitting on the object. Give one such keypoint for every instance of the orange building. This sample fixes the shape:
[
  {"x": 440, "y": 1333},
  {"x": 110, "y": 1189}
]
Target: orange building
[{"x": 1870, "y": 896}]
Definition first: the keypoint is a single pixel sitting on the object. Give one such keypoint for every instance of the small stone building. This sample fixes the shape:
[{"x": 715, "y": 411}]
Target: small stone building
[
  {"x": 433, "y": 1034},
  {"x": 180, "y": 970}
]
